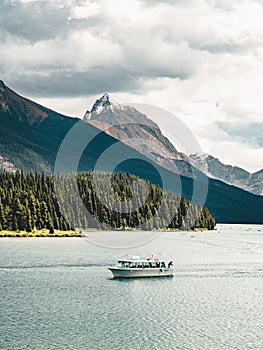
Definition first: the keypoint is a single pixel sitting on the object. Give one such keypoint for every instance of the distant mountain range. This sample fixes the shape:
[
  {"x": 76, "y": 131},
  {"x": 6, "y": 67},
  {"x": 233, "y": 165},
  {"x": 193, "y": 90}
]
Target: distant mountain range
[
  {"x": 212, "y": 167},
  {"x": 31, "y": 135}
]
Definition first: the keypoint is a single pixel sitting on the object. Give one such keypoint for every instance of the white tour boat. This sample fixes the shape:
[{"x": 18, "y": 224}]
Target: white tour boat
[{"x": 137, "y": 267}]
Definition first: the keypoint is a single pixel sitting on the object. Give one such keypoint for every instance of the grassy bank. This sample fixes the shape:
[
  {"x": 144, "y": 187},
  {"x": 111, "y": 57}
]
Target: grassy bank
[
  {"x": 40, "y": 233},
  {"x": 58, "y": 233}
]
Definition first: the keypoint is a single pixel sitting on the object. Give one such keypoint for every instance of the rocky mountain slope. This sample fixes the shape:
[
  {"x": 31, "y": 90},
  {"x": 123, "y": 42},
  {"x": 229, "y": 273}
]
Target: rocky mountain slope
[
  {"x": 212, "y": 167},
  {"x": 27, "y": 134},
  {"x": 136, "y": 130}
]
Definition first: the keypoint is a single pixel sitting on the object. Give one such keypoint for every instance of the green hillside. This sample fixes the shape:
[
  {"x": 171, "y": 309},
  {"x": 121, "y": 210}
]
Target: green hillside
[{"x": 30, "y": 202}]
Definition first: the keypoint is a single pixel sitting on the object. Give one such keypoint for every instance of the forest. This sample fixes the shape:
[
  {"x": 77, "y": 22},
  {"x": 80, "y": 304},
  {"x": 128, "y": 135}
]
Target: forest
[{"x": 93, "y": 200}]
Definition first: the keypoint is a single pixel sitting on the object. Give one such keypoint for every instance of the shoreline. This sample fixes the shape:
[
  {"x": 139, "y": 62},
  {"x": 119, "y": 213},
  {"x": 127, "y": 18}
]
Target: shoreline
[
  {"x": 78, "y": 234},
  {"x": 40, "y": 233}
]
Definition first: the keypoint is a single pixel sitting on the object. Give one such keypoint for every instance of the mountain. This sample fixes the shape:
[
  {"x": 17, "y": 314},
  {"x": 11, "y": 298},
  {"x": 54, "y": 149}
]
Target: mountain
[
  {"x": 233, "y": 175},
  {"x": 136, "y": 130},
  {"x": 31, "y": 136},
  {"x": 23, "y": 109},
  {"x": 257, "y": 182},
  {"x": 27, "y": 132}
]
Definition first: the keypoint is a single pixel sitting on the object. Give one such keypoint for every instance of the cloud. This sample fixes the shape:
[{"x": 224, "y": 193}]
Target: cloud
[
  {"x": 170, "y": 2},
  {"x": 138, "y": 41},
  {"x": 85, "y": 10},
  {"x": 249, "y": 133},
  {"x": 33, "y": 21},
  {"x": 105, "y": 49},
  {"x": 157, "y": 38},
  {"x": 182, "y": 55},
  {"x": 76, "y": 84}
]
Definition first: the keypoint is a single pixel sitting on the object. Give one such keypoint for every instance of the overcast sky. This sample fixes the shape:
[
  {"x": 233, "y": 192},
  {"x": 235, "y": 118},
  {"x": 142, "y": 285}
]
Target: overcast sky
[{"x": 202, "y": 60}]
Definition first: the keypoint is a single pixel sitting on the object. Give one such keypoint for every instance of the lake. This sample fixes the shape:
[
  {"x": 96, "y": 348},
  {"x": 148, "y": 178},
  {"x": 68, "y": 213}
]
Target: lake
[{"x": 56, "y": 293}]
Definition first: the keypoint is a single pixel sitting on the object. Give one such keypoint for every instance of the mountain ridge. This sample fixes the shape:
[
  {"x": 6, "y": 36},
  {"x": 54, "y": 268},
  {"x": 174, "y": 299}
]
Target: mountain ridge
[
  {"x": 135, "y": 129},
  {"x": 233, "y": 175}
]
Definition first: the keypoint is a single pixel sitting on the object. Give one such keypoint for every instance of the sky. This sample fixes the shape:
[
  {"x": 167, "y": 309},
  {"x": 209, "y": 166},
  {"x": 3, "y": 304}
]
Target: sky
[{"x": 201, "y": 60}]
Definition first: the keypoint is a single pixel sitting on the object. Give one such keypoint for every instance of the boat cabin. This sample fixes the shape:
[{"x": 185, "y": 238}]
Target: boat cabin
[
  {"x": 142, "y": 267},
  {"x": 137, "y": 263}
]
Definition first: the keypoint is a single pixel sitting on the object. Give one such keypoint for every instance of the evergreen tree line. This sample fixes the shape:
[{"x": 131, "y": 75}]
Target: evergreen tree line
[{"x": 93, "y": 200}]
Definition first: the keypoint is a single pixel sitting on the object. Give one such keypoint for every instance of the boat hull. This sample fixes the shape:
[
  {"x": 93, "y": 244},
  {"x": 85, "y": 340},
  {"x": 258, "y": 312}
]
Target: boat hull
[{"x": 140, "y": 272}]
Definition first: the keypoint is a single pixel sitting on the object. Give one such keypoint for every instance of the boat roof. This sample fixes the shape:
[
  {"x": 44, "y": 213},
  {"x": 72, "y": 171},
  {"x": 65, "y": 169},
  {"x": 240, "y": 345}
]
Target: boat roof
[{"x": 138, "y": 259}]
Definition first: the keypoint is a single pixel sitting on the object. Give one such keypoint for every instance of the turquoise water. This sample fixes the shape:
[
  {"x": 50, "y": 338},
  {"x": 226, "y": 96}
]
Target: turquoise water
[{"x": 58, "y": 294}]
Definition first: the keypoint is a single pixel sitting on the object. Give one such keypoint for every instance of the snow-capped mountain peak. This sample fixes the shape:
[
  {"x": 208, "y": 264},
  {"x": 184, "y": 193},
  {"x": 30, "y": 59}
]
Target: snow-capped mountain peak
[
  {"x": 130, "y": 126},
  {"x": 87, "y": 115},
  {"x": 105, "y": 102}
]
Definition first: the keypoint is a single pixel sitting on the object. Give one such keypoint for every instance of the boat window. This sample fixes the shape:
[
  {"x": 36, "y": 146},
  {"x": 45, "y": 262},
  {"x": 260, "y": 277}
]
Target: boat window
[
  {"x": 132, "y": 266},
  {"x": 123, "y": 264},
  {"x": 163, "y": 264},
  {"x": 153, "y": 264},
  {"x": 146, "y": 264},
  {"x": 157, "y": 264}
]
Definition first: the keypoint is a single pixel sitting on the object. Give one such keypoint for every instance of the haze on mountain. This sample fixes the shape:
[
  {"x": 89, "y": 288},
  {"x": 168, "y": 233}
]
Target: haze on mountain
[
  {"x": 31, "y": 136},
  {"x": 233, "y": 175}
]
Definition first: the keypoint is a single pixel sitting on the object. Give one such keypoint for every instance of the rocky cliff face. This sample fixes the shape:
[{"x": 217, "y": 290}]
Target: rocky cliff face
[
  {"x": 256, "y": 183},
  {"x": 23, "y": 109},
  {"x": 135, "y": 129},
  {"x": 30, "y": 134},
  {"x": 232, "y": 175}
]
